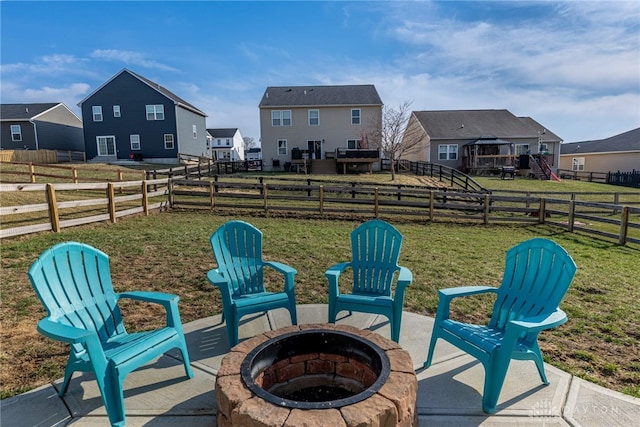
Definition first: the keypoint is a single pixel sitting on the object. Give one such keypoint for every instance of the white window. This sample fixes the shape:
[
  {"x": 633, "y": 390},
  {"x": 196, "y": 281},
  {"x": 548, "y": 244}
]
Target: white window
[
  {"x": 16, "y": 133},
  {"x": 355, "y": 116},
  {"x": 116, "y": 111},
  {"x": 135, "y": 142},
  {"x": 282, "y": 147},
  {"x": 281, "y": 118},
  {"x": 544, "y": 148},
  {"x": 97, "y": 113},
  {"x": 448, "y": 152},
  {"x": 155, "y": 112},
  {"x": 577, "y": 164},
  {"x": 353, "y": 144},
  {"x": 314, "y": 117},
  {"x": 522, "y": 149},
  {"x": 195, "y": 132},
  {"x": 168, "y": 141},
  {"x": 106, "y": 145}
]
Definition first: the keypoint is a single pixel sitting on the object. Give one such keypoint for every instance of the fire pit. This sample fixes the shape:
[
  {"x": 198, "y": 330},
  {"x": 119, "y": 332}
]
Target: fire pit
[{"x": 317, "y": 374}]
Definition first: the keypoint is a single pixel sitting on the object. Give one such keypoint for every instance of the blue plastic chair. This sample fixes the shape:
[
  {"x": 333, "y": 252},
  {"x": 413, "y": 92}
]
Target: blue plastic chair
[
  {"x": 375, "y": 250},
  {"x": 237, "y": 247},
  {"x": 73, "y": 282},
  {"x": 537, "y": 275}
]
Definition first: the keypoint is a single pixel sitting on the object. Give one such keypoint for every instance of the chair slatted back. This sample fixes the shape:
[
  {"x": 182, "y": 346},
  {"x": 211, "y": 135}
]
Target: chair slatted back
[
  {"x": 537, "y": 276},
  {"x": 375, "y": 251},
  {"x": 237, "y": 247},
  {"x": 73, "y": 282}
]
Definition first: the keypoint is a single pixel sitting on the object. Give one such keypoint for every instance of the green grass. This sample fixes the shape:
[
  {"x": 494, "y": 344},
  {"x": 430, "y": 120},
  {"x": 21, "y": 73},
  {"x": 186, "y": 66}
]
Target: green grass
[{"x": 170, "y": 252}]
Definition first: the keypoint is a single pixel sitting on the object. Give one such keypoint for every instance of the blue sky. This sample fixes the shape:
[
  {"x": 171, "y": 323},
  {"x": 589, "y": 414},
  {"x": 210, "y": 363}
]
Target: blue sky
[{"x": 572, "y": 66}]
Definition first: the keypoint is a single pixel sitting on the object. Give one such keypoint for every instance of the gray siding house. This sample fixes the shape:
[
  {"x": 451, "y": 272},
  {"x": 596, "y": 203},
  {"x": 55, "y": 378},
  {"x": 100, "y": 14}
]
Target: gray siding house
[
  {"x": 44, "y": 126},
  {"x": 478, "y": 141},
  {"x": 131, "y": 117},
  {"x": 318, "y": 120}
]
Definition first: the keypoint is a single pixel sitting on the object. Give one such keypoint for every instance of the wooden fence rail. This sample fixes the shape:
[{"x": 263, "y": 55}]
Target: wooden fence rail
[
  {"x": 113, "y": 206},
  {"x": 613, "y": 221},
  {"x": 70, "y": 173}
]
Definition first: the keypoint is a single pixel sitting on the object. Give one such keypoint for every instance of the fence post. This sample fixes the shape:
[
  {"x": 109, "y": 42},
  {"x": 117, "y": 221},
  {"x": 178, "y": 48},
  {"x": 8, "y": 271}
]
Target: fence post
[
  {"x": 54, "y": 217},
  {"x": 170, "y": 190},
  {"x": 309, "y": 186},
  {"x": 376, "y": 205},
  {"x": 119, "y": 174},
  {"x": 212, "y": 195},
  {"x": 572, "y": 208},
  {"x": 145, "y": 199},
  {"x": 32, "y": 172},
  {"x": 399, "y": 192},
  {"x": 624, "y": 226},
  {"x": 261, "y": 181},
  {"x": 353, "y": 192},
  {"x": 616, "y": 201},
  {"x": 542, "y": 211},
  {"x": 432, "y": 199},
  {"x": 486, "y": 209},
  {"x": 74, "y": 173},
  {"x": 264, "y": 189},
  {"x": 111, "y": 196},
  {"x": 321, "y": 199}
]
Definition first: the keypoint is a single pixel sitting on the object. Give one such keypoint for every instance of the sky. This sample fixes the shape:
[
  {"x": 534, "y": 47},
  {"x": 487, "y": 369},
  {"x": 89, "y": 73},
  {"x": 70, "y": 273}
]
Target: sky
[{"x": 573, "y": 66}]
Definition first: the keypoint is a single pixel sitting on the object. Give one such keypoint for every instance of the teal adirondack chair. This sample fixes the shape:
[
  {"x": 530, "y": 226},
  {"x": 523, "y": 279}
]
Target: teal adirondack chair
[
  {"x": 537, "y": 275},
  {"x": 375, "y": 250},
  {"x": 237, "y": 247},
  {"x": 73, "y": 282}
]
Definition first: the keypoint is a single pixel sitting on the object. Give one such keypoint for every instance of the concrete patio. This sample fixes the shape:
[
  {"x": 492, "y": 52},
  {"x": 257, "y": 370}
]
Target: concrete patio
[{"x": 449, "y": 393}]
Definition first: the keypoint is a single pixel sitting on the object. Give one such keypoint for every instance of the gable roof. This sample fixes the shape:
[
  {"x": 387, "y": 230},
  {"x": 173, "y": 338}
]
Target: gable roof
[
  {"x": 627, "y": 141},
  {"x": 473, "y": 124},
  {"x": 545, "y": 134},
  {"x": 164, "y": 91},
  {"x": 312, "y": 96},
  {"x": 222, "y": 132},
  {"x": 24, "y": 112}
]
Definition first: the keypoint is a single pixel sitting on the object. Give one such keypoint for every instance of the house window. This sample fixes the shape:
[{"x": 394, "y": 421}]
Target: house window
[
  {"x": 281, "y": 118},
  {"x": 16, "y": 133},
  {"x": 195, "y": 132},
  {"x": 448, "y": 152},
  {"x": 282, "y": 147},
  {"x": 135, "y": 142},
  {"x": 116, "y": 111},
  {"x": 355, "y": 116},
  {"x": 155, "y": 112},
  {"x": 353, "y": 144},
  {"x": 522, "y": 149},
  {"x": 577, "y": 164},
  {"x": 97, "y": 113},
  {"x": 314, "y": 117},
  {"x": 106, "y": 145},
  {"x": 168, "y": 141},
  {"x": 228, "y": 142}
]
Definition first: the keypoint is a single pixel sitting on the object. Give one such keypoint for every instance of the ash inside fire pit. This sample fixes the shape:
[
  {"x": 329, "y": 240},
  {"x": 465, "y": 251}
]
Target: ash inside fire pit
[{"x": 315, "y": 369}]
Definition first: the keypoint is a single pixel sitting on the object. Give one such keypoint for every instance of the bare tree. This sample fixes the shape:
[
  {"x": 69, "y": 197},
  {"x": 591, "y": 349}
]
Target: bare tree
[
  {"x": 391, "y": 136},
  {"x": 248, "y": 142}
]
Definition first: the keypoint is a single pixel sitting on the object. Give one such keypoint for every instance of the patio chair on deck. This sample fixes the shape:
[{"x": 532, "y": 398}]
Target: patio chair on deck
[
  {"x": 237, "y": 247},
  {"x": 375, "y": 250},
  {"x": 537, "y": 275},
  {"x": 73, "y": 282}
]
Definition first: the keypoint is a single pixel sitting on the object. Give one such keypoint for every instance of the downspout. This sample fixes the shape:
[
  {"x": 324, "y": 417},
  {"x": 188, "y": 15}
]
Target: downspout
[{"x": 35, "y": 132}]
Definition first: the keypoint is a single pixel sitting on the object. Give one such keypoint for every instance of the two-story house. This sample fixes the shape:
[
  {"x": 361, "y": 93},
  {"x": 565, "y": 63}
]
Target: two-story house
[
  {"x": 43, "y": 126},
  {"x": 131, "y": 117},
  {"x": 225, "y": 144},
  {"x": 479, "y": 141},
  {"x": 315, "y": 122}
]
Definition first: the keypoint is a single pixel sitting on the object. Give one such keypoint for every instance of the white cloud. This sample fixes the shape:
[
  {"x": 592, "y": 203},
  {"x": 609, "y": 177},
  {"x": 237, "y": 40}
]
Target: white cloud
[{"x": 129, "y": 58}]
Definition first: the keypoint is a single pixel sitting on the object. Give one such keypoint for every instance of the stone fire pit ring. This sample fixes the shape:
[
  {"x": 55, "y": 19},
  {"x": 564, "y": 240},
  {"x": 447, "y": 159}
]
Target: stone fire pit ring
[{"x": 378, "y": 371}]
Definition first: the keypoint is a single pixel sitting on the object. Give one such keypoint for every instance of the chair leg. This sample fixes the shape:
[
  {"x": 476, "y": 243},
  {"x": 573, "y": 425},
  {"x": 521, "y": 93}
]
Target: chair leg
[
  {"x": 68, "y": 373},
  {"x": 332, "y": 311},
  {"x": 539, "y": 363},
  {"x": 112, "y": 396},
  {"x": 495, "y": 372},
  {"x": 432, "y": 346},
  {"x": 293, "y": 314}
]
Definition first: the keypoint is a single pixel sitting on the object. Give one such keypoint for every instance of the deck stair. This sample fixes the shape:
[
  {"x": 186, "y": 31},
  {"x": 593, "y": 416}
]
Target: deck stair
[{"x": 539, "y": 168}]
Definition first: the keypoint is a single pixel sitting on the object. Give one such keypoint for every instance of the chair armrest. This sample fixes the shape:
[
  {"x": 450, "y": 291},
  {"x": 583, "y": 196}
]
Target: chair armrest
[
  {"x": 64, "y": 333},
  {"x": 280, "y": 267},
  {"x": 155, "y": 297},
  {"x": 540, "y": 323},
  {"x": 446, "y": 295},
  {"x": 332, "y": 274}
]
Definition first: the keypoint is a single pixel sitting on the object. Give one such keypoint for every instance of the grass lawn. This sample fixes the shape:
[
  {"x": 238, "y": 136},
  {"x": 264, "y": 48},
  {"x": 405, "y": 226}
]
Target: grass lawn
[{"x": 170, "y": 252}]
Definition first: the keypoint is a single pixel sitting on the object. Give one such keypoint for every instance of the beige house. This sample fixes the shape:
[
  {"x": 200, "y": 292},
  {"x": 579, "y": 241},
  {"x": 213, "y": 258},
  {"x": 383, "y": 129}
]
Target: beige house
[
  {"x": 617, "y": 153},
  {"x": 303, "y": 124},
  {"x": 480, "y": 141}
]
